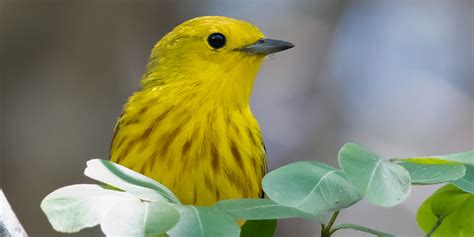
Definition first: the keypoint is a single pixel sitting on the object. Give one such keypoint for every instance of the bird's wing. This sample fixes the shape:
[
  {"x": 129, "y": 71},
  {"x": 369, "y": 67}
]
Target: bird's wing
[
  {"x": 114, "y": 137},
  {"x": 264, "y": 166}
]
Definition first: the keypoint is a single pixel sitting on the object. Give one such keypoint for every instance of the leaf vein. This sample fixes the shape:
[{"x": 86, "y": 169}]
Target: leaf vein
[
  {"x": 315, "y": 187},
  {"x": 372, "y": 176},
  {"x": 199, "y": 220}
]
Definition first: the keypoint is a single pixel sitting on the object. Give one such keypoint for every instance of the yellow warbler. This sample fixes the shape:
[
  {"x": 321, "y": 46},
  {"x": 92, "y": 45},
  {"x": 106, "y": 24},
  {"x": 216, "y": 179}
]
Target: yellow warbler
[{"x": 190, "y": 126}]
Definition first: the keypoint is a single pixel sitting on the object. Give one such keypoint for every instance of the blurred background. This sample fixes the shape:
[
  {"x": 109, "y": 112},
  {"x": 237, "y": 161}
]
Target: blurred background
[{"x": 394, "y": 76}]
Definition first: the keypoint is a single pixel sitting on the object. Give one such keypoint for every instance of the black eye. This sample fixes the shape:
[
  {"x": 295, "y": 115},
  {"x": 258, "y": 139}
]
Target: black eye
[{"x": 216, "y": 40}]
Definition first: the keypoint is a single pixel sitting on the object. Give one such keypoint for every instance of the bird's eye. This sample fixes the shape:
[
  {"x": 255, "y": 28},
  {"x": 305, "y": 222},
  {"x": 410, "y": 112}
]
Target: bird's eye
[{"x": 216, "y": 40}]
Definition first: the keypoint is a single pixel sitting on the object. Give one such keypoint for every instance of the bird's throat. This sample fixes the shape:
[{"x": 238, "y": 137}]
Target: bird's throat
[{"x": 222, "y": 84}]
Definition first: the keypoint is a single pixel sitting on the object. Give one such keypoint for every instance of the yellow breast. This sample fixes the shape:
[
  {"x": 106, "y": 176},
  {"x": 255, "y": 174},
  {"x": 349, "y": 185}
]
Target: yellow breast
[{"x": 202, "y": 150}]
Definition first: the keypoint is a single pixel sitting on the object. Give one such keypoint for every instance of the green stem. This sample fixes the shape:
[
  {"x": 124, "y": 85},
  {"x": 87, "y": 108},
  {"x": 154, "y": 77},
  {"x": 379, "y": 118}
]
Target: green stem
[
  {"x": 360, "y": 228},
  {"x": 435, "y": 227},
  {"x": 332, "y": 220},
  {"x": 326, "y": 229}
]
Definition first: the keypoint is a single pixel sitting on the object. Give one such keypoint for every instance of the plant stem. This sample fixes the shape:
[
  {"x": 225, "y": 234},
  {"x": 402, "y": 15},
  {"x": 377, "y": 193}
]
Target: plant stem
[
  {"x": 326, "y": 229},
  {"x": 360, "y": 228},
  {"x": 333, "y": 219},
  {"x": 435, "y": 227}
]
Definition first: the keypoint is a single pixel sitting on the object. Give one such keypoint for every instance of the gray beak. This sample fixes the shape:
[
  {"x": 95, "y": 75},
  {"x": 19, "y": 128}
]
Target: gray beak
[{"x": 266, "y": 46}]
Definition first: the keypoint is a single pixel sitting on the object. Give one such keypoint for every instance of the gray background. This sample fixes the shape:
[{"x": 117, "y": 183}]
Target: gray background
[{"x": 394, "y": 76}]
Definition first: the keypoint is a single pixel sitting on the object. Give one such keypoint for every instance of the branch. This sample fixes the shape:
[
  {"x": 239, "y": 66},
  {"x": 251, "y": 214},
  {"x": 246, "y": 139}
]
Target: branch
[{"x": 9, "y": 224}]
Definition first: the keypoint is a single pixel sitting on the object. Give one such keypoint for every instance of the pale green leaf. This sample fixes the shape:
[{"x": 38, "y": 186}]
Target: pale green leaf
[
  {"x": 204, "y": 222},
  {"x": 128, "y": 180},
  {"x": 76, "y": 207},
  {"x": 135, "y": 218},
  {"x": 466, "y": 183},
  {"x": 433, "y": 174},
  {"x": 310, "y": 186},
  {"x": 258, "y": 209},
  {"x": 463, "y": 158},
  {"x": 381, "y": 182}
]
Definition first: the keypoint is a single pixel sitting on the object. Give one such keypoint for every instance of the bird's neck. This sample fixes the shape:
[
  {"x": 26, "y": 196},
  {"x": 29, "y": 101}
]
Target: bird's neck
[{"x": 213, "y": 85}]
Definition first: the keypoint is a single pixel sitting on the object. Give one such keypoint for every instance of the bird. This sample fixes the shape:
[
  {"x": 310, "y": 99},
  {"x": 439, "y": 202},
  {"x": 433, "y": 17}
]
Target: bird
[{"x": 189, "y": 126}]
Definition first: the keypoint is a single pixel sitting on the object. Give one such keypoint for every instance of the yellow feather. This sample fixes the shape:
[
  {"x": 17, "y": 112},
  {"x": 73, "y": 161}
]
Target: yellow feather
[{"x": 190, "y": 126}]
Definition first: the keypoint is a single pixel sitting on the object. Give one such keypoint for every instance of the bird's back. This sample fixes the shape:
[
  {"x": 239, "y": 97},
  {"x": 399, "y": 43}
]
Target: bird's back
[{"x": 203, "y": 151}]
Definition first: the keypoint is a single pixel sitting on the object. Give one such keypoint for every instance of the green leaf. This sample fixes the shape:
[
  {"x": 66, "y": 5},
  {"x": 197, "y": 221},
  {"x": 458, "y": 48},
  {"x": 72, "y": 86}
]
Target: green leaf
[
  {"x": 128, "y": 180},
  {"x": 425, "y": 217},
  {"x": 135, "y": 218},
  {"x": 310, "y": 186},
  {"x": 261, "y": 209},
  {"x": 204, "y": 222},
  {"x": 447, "y": 203},
  {"x": 466, "y": 183},
  {"x": 433, "y": 174},
  {"x": 381, "y": 182},
  {"x": 76, "y": 207},
  {"x": 363, "y": 229},
  {"x": 259, "y": 228},
  {"x": 463, "y": 158}
]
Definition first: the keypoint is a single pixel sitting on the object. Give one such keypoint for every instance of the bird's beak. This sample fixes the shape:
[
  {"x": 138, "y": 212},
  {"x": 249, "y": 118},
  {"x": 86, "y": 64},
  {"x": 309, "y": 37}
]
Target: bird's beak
[{"x": 266, "y": 46}]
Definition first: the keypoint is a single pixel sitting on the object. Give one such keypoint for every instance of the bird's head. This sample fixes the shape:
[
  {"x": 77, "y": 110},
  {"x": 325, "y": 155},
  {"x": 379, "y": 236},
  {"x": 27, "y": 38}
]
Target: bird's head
[{"x": 212, "y": 55}]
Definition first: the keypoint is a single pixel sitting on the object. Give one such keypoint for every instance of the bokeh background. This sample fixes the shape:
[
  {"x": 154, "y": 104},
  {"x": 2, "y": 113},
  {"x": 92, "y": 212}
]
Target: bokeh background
[{"x": 395, "y": 76}]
